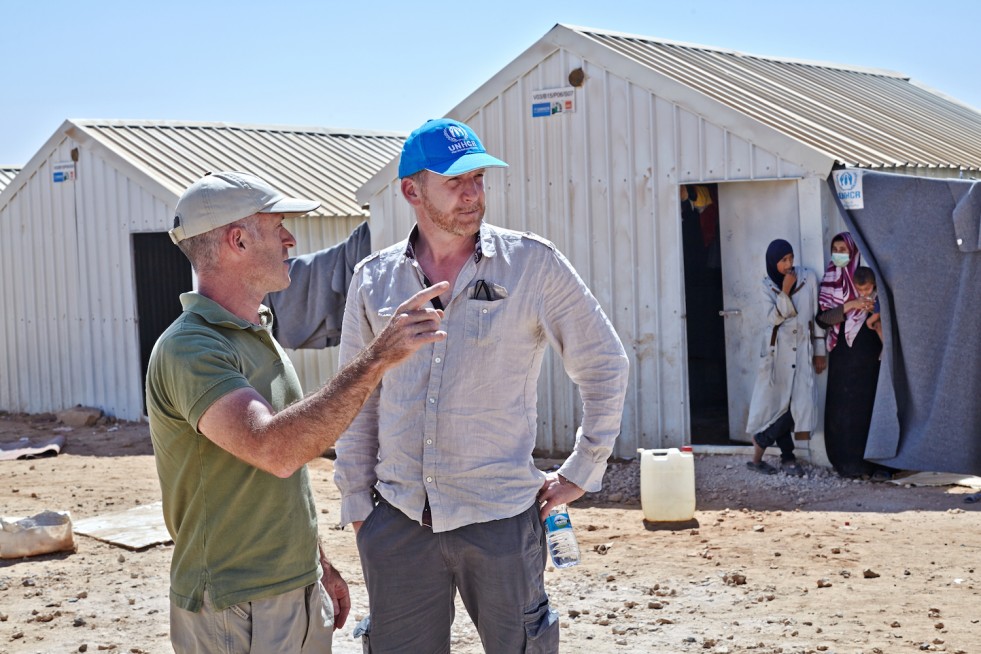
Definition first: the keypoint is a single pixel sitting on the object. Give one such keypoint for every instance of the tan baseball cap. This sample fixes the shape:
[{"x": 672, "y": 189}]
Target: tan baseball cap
[{"x": 219, "y": 199}]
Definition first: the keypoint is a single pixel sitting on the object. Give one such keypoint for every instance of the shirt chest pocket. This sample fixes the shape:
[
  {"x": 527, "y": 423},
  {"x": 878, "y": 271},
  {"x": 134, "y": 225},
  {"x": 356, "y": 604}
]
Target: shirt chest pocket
[{"x": 485, "y": 322}]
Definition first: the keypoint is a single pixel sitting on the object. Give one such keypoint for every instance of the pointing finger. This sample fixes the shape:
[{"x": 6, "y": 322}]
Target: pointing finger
[{"x": 423, "y": 297}]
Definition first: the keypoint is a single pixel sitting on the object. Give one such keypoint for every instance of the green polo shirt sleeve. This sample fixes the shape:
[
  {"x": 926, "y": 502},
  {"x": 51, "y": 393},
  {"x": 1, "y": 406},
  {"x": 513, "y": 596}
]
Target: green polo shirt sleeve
[{"x": 203, "y": 367}]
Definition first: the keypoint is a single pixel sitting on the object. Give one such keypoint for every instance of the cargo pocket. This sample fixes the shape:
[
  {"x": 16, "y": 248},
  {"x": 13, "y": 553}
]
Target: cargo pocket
[{"x": 542, "y": 629}]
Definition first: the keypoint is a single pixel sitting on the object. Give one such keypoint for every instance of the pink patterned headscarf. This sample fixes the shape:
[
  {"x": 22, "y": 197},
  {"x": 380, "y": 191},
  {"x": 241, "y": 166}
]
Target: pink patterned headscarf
[{"x": 838, "y": 287}]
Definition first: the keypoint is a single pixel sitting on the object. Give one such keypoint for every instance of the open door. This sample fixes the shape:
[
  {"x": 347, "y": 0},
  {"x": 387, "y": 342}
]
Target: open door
[
  {"x": 162, "y": 274},
  {"x": 705, "y": 327},
  {"x": 751, "y": 215}
]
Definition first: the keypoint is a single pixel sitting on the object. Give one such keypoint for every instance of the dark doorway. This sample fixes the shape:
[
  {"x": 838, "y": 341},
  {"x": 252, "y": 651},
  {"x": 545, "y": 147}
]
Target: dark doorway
[
  {"x": 162, "y": 274},
  {"x": 708, "y": 397}
]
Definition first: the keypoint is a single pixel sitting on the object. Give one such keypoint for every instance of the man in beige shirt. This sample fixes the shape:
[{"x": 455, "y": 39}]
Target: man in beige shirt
[{"x": 436, "y": 472}]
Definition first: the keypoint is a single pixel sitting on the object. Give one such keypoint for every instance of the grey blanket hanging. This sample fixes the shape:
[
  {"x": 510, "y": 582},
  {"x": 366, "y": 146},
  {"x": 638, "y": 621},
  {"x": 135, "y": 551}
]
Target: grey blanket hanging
[{"x": 922, "y": 237}]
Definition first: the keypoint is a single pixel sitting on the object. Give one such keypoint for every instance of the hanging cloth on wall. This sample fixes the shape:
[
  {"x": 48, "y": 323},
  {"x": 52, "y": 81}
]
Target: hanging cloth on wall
[{"x": 923, "y": 238}]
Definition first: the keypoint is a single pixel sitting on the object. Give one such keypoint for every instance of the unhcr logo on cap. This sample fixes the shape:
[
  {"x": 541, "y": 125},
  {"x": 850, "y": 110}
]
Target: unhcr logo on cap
[
  {"x": 445, "y": 147},
  {"x": 458, "y": 139},
  {"x": 454, "y": 133}
]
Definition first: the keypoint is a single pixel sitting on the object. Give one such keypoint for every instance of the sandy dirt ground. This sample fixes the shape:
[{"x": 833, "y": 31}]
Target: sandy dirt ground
[{"x": 769, "y": 565}]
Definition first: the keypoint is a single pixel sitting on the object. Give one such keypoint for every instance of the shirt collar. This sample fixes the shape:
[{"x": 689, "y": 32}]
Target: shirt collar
[
  {"x": 483, "y": 243},
  {"x": 219, "y": 316}
]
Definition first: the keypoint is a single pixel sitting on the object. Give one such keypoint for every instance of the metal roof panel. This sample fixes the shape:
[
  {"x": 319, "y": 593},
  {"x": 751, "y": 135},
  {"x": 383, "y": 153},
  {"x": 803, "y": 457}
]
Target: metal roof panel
[
  {"x": 7, "y": 174},
  {"x": 860, "y": 116},
  {"x": 319, "y": 163}
]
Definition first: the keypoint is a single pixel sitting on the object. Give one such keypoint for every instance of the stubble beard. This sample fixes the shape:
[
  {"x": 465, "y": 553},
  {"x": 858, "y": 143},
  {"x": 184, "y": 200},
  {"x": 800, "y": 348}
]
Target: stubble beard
[
  {"x": 269, "y": 275},
  {"x": 451, "y": 222}
]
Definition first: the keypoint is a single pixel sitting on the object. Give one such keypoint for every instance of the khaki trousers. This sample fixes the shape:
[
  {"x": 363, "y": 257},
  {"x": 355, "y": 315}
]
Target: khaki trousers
[{"x": 300, "y": 621}]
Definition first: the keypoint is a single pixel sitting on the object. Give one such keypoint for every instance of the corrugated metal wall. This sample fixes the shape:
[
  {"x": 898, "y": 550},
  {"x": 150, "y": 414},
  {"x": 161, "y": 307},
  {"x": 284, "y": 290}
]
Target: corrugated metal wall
[
  {"x": 602, "y": 184},
  {"x": 70, "y": 312},
  {"x": 70, "y": 325}
]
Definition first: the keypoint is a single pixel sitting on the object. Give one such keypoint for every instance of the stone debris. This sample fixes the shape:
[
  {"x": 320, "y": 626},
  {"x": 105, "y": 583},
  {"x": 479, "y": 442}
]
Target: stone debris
[
  {"x": 612, "y": 603},
  {"x": 79, "y": 416},
  {"x": 622, "y": 482}
]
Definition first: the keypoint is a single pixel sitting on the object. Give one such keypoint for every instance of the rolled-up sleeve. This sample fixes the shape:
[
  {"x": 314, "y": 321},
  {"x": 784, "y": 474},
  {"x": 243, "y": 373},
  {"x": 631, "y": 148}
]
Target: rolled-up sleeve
[{"x": 594, "y": 358}]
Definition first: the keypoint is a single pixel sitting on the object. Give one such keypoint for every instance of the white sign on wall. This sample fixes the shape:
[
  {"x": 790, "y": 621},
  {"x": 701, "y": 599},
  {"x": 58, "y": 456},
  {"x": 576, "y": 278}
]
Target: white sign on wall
[
  {"x": 63, "y": 171},
  {"x": 548, "y": 102},
  {"x": 848, "y": 184}
]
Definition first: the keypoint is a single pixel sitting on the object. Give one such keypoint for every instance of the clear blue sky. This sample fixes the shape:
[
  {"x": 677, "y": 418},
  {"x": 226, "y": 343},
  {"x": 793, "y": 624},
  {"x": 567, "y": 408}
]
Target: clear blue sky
[{"x": 392, "y": 65}]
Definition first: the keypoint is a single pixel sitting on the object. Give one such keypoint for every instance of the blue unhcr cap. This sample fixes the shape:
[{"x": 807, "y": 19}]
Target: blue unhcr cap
[{"x": 444, "y": 146}]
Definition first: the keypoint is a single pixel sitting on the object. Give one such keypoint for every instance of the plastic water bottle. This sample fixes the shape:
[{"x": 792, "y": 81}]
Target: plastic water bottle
[{"x": 562, "y": 545}]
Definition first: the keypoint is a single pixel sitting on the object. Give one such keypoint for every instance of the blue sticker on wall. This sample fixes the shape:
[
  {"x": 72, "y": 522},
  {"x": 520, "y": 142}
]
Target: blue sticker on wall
[{"x": 540, "y": 109}]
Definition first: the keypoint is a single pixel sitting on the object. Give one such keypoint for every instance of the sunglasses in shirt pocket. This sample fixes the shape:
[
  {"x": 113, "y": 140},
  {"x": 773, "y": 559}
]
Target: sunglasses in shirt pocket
[
  {"x": 485, "y": 306},
  {"x": 487, "y": 291}
]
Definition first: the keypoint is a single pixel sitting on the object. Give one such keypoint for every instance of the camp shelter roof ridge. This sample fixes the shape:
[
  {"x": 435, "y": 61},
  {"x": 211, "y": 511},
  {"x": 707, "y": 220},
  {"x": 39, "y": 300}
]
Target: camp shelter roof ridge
[
  {"x": 815, "y": 113},
  {"x": 866, "y": 117},
  {"x": 729, "y": 51},
  {"x": 327, "y": 164}
]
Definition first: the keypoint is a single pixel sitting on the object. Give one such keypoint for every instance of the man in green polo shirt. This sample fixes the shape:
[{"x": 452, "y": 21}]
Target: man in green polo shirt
[{"x": 232, "y": 432}]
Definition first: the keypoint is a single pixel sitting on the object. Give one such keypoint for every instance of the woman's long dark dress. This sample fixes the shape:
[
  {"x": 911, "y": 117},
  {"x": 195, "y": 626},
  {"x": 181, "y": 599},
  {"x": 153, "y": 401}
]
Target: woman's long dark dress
[{"x": 852, "y": 376}]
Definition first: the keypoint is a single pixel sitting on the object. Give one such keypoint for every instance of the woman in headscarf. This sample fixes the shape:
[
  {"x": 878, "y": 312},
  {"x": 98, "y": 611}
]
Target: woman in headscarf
[
  {"x": 847, "y": 299},
  {"x": 784, "y": 398}
]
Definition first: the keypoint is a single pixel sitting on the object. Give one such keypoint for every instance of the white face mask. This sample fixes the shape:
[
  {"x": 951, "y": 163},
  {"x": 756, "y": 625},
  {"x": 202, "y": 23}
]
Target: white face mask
[{"x": 840, "y": 259}]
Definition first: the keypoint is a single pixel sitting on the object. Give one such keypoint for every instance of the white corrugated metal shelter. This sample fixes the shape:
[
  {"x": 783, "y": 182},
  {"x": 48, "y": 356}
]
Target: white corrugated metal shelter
[
  {"x": 84, "y": 255},
  {"x": 602, "y": 179}
]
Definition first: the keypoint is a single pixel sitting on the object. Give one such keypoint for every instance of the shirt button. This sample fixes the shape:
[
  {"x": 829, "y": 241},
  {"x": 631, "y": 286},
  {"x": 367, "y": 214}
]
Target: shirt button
[
  {"x": 432, "y": 400},
  {"x": 429, "y": 480},
  {"x": 483, "y": 310},
  {"x": 438, "y": 359},
  {"x": 795, "y": 349},
  {"x": 793, "y": 365},
  {"x": 429, "y": 441}
]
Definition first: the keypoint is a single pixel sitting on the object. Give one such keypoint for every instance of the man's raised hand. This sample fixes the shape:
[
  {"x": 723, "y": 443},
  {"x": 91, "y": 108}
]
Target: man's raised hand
[{"x": 414, "y": 324}]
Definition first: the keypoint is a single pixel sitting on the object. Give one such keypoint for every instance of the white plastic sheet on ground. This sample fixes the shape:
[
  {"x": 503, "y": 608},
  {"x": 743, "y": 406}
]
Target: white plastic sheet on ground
[{"x": 43, "y": 533}]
